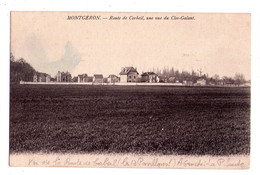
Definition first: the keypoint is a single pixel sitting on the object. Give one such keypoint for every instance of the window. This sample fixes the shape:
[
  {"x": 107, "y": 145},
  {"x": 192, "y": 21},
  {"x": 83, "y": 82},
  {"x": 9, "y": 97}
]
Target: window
[{"x": 129, "y": 76}]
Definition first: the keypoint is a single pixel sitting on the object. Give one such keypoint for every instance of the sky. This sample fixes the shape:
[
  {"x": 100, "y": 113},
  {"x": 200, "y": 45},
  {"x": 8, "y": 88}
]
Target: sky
[{"x": 215, "y": 43}]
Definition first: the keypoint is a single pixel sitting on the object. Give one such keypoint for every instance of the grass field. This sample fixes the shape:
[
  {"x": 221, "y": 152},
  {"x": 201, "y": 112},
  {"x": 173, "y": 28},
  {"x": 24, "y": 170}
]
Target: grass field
[{"x": 129, "y": 119}]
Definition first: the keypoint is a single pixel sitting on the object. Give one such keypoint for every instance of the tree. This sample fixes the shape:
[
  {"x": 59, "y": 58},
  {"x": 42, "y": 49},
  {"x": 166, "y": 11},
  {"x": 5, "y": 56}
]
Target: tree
[
  {"x": 225, "y": 80},
  {"x": 239, "y": 79},
  {"x": 20, "y": 70},
  {"x": 216, "y": 79},
  {"x": 200, "y": 72},
  {"x": 12, "y": 59}
]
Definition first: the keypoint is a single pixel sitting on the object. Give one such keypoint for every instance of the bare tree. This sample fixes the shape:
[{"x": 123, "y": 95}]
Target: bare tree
[{"x": 200, "y": 71}]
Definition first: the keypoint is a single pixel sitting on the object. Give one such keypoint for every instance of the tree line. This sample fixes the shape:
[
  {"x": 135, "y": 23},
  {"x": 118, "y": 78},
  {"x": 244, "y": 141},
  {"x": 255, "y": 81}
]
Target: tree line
[
  {"x": 174, "y": 75},
  {"x": 20, "y": 70}
]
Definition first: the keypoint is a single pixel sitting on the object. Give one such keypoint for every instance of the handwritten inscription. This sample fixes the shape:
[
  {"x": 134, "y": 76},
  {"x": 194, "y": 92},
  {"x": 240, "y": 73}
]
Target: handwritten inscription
[{"x": 139, "y": 161}]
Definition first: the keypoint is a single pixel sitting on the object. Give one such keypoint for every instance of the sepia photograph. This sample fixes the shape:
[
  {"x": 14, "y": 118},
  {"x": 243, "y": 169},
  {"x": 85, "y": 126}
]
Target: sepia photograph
[{"x": 130, "y": 90}]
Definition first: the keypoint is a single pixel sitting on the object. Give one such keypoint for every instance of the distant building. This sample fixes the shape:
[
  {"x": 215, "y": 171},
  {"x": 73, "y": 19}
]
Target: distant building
[
  {"x": 163, "y": 79},
  {"x": 35, "y": 78},
  {"x": 150, "y": 77},
  {"x": 90, "y": 79},
  {"x": 113, "y": 79},
  {"x": 74, "y": 79},
  {"x": 105, "y": 80},
  {"x": 128, "y": 74},
  {"x": 171, "y": 80},
  {"x": 41, "y": 77},
  {"x": 201, "y": 82},
  {"x": 48, "y": 78},
  {"x": 187, "y": 82},
  {"x": 98, "y": 79},
  {"x": 63, "y": 77},
  {"x": 82, "y": 78}
]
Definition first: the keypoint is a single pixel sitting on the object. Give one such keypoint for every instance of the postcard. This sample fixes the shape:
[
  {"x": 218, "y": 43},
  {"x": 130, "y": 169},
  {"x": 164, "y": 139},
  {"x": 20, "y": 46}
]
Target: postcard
[{"x": 130, "y": 90}]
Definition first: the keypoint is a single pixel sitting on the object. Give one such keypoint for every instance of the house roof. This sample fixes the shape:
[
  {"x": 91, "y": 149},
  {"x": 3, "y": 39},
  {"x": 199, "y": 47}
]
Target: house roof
[
  {"x": 127, "y": 70},
  {"x": 201, "y": 79},
  {"x": 98, "y": 75},
  {"x": 83, "y": 75},
  {"x": 63, "y": 73},
  {"x": 113, "y": 76}
]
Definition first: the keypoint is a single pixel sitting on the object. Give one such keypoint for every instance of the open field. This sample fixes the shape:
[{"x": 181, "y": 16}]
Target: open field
[{"x": 129, "y": 119}]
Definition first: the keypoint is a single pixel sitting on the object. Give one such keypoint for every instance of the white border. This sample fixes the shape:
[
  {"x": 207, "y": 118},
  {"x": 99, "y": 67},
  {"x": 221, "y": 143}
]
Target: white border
[{"x": 230, "y": 6}]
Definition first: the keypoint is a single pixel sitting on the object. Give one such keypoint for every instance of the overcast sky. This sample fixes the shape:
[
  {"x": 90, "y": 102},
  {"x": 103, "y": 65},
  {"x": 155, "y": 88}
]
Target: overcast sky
[{"x": 216, "y": 43}]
